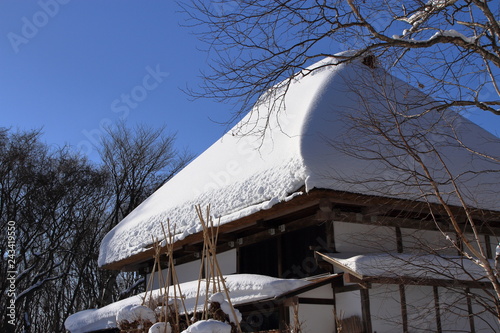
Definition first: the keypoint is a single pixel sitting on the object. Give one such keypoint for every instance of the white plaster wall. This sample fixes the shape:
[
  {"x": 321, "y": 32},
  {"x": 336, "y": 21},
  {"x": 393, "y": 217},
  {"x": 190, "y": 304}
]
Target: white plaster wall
[
  {"x": 420, "y": 309},
  {"x": 421, "y": 241},
  {"x": 484, "y": 321},
  {"x": 319, "y": 318},
  {"x": 348, "y": 304},
  {"x": 493, "y": 243},
  {"x": 227, "y": 261},
  {"x": 361, "y": 238},
  {"x": 156, "y": 279},
  {"x": 316, "y": 318},
  {"x": 188, "y": 272},
  {"x": 325, "y": 291},
  {"x": 454, "y": 313},
  {"x": 385, "y": 308}
]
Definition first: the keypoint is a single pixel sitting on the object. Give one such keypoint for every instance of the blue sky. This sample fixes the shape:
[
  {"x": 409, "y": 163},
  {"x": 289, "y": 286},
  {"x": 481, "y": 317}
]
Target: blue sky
[{"x": 73, "y": 66}]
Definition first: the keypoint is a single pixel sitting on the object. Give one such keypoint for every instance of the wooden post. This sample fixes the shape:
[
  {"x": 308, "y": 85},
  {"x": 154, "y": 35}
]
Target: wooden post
[
  {"x": 404, "y": 310},
  {"x": 335, "y": 316},
  {"x": 399, "y": 240},
  {"x": 330, "y": 235},
  {"x": 487, "y": 244},
  {"x": 402, "y": 293},
  {"x": 469, "y": 310},
  {"x": 279, "y": 250},
  {"x": 436, "y": 308},
  {"x": 365, "y": 311}
]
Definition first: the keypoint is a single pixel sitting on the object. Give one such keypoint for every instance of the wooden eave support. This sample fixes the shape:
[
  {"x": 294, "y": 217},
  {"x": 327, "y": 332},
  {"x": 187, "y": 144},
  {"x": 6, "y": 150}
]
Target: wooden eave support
[
  {"x": 329, "y": 205},
  {"x": 367, "y": 281}
]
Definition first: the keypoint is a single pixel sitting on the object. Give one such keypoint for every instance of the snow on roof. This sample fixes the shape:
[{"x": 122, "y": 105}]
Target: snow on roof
[
  {"x": 208, "y": 326},
  {"x": 243, "y": 288},
  {"x": 410, "y": 266},
  {"x": 241, "y": 175}
]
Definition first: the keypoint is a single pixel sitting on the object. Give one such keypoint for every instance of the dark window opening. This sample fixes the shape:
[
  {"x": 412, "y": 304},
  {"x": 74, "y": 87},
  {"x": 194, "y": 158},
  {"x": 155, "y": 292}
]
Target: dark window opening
[
  {"x": 260, "y": 317},
  {"x": 260, "y": 258},
  {"x": 298, "y": 249}
]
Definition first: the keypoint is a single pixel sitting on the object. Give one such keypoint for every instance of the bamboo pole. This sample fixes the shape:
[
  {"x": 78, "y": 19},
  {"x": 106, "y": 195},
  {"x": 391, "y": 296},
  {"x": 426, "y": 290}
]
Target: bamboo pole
[{"x": 212, "y": 245}]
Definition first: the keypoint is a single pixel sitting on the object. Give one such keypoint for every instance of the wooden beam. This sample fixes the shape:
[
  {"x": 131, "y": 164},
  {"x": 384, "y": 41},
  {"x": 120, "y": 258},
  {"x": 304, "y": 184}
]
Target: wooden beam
[
  {"x": 430, "y": 282},
  {"x": 350, "y": 278},
  {"x": 376, "y": 210},
  {"x": 387, "y": 221},
  {"x": 317, "y": 301},
  {"x": 192, "y": 248},
  {"x": 340, "y": 201},
  {"x": 348, "y": 288}
]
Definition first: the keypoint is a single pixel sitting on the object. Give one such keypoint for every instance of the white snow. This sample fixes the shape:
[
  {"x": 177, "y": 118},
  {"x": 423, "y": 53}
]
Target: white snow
[
  {"x": 135, "y": 313},
  {"x": 160, "y": 328},
  {"x": 431, "y": 6},
  {"x": 226, "y": 307},
  {"x": 398, "y": 265},
  {"x": 208, "y": 326},
  {"x": 453, "y": 33},
  {"x": 243, "y": 288},
  {"x": 217, "y": 297},
  {"x": 239, "y": 176},
  {"x": 446, "y": 33}
]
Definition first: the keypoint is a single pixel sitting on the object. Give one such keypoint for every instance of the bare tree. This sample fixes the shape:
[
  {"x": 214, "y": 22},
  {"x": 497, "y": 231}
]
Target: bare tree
[
  {"x": 138, "y": 161},
  {"x": 55, "y": 200},
  {"x": 428, "y": 156},
  {"x": 61, "y": 206},
  {"x": 448, "y": 48}
]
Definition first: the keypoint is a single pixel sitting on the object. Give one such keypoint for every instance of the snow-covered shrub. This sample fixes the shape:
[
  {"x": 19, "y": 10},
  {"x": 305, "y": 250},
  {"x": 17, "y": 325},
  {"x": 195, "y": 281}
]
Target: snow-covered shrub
[
  {"x": 135, "y": 318},
  {"x": 221, "y": 310},
  {"x": 160, "y": 328}
]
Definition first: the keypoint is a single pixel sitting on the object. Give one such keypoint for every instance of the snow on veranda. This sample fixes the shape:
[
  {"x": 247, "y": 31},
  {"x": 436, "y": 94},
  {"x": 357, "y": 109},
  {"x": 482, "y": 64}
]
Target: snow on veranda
[
  {"x": 240, "y": 175},
  {"x": 243, "y": 288}
]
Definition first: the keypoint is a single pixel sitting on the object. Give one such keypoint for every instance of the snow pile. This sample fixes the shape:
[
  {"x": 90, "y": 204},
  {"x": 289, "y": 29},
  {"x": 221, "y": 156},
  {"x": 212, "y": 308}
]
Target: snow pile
[
  {"x": 208, "y": 326},
  {"x": 135, "y": 317},
  {"x": 243, "y": 288},
  {"x": 160, "y": 328},
  {"x": 217, "y": 301}
]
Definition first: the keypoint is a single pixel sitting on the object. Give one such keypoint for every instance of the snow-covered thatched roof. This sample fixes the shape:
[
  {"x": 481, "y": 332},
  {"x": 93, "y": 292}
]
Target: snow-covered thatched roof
[{"x": 300, "y": 147}]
